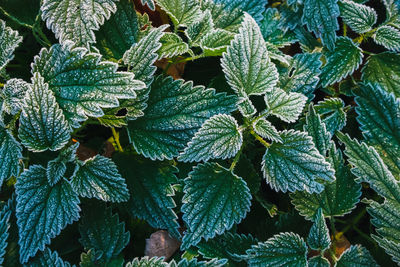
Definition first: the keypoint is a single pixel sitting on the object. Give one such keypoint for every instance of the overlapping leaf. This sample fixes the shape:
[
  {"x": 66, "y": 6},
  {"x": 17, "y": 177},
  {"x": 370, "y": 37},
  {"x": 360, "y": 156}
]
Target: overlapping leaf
[
  {"x": 285, "y": 106},
  {"x": 13, "y": 94},
  {"x": 181, "y": 12},
  {"x": 359, "y": 17},
  {"x": 332, "y": 113},
  {"x": 10, "y": 154},
  {"x": 57, "y": 167},
  {"x": 48, "y": 258},
  {"x": 5, "y": 214},
  {"x": 9, "y": 41},
  {"x": 318, "y": 238},
  {"x": 172, "y": 45},
  {"x": 356, "y": 255},
  {"x": 266, "y": 130},
  {"x": 388, "y": 36}
]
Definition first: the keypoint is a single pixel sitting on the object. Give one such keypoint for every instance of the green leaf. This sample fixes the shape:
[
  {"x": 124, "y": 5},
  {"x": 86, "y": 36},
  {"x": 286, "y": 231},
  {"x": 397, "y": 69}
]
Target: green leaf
[
  {"x": 42, "y": 123},
  {"x": 284, "y": 249},
  {"x": 254, "y": 8},
  {"x": 98, "y": 177},
  {"x": 218, "y": 138},
  {"x": 176, "y": 110},
  {"x": 317, "y": 130},
  {"x": 57, "y": 167},
  {"x": 341, "y": 62},
  {"x": 149, "y": 3},
  {"x": 147, "y": 262},
  {"x": 76, "y": 20},
  {"x": 333, "y": 114},
  {"x": 318, "y": 238},
  {"x": 223, "y": 18},
  {"x": 334, "y": 200},
  {"x": 198, "y": 29},
  {"x": 82, "y": 83},
  {"x": 320, "y": 16},
  {"x": 384, "y": 68},
  {"x": 172, "y": 45},
  {"x": 360, "y": 18},
  {"x": 246, "y": 107},
  {"x": 215, "y": 42},
  {"x": 48, "y": 258},
  {"x": 42, "y": 210},
  {"x": 151, "y": 192},
  {"x": 9, "y": 41},
  {"x": 182, "y": 12},
  {"x": 13, "y": 94},
  {"x": 266, "y": 130},
  {"x": 111, "y": 121},
  {"x": 379, "y": 118},
  {"x": 356, "y": 255},
  {"x": 225, "y": 200},
  {"x": 246, "y": 64},
  {"x": 285, "y": 106},
  {"x": 5, "y": 214},
  {"x": 318, "y": 261},
  {"x": 388, "y": 36},
  {"x": 295, "y": 165},
  {"x": 10, "y": 154},
  {"x": 101, "y": 230},
  {"x": 195, "y": 263}
]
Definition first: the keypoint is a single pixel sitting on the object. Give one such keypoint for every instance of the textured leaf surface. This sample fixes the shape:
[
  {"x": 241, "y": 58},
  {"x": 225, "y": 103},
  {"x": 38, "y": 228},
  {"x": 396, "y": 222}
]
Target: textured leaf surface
[
  {"x": 42, "y": 123},
  {"x": 356, "y": 255},
  {"x": 175, "y": 112},
  {"x": 342, "y": 61},
  {"x": 296, "y": 164},
  {"x": 149, "y": 3},
  {"x": 198, "y": 29},
  {"x": 5, "y": 214},
  {"x": 359, "y": 17},
  {"x": 384, "y": 68},
  {"x": 388, "y": 36},
  {"x": 172, "y": 45},
  {"x": 285, "y": 249},
  {"x": 253, "y": 7},
  {"x": 320, "y": 16},
  {"x": 285, "y": 106},
  {"x": 42, "y": 210},
  {"x": 333, "y": 114},
  {"x": 266, "y": 130},
  {"x": 13, "y": 94},
  {"x": 225, "y": 200},
  {"x": 82, "y": 83},
  {"x": 218, "y": 138},
  {"x": 9, "y": 41},
  {"x": 223, "y": 18},
  {"x": 317, "y": 130},
  {"x": 147, "y": 262},
  {"x": 10, "y": 154},
  {"x": 195, "y": 263},
  {"x": 181, "y": 12},
  {"x": 318, "y": 238},
  {"x": 48, "y": 258},
  {"x": 246, "y": 63},
  {"x": 318, "y": 261},
  {"x": 99, "y": 178},
  {"x": 216, "y": 42},
  {"x": 57, "y": 167},
  {"x": 151, "y": 192},
  {"x": 76, "y": 20}
]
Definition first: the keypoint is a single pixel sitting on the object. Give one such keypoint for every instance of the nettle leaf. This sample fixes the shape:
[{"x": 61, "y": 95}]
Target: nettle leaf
[
  {"x": 172, "y": 45},
  {"x": 98, "y": 177},
  {"x": 149, "y": 3},
  {"x": 182, "y": 12},
  {"x": 57, "y": 167},
  {"x": 338, "y": 198},
  {"x": 42, "y": 210},
  {"x": 246, "y": 107},
  {"x": 76, "y": 20},
  {"x": 320, "y": 16},
  {"x": 82, "y": 83},
  {"x": 341, "y": 62},
  {"x": 195, "y": 263},
  {"x": 10, "y": 154},
  {"x": 317, "y": 130},
  {"x": 266, "y": 130},
  {"x": 42, "y": 123},
  {"x": 176, "y": 110},
  {"x": 9, "y": 41},
  {"x": 101, "y": 230},
  {"x": 48, "y": 258},
  {"x": 295, "y": 164},
  {"x": 318, "y": 261},
  {"x": 284, "y": 249},
  {"x": 216, "y": 42},
  {"x": 285, "y": 106},
  {"x": 223, "y": 18},
  {"x": 218, "y": 138},
  {"x": 253, "y": 7},
  {"x": 318, "y": 238},
  {"x": 13, "y": 94},
  {"x": 302, "y": 75},
  {"x": 246, "y": 64},
  {"x": 5, "y": 214},
  {"x": 356, "y": 255},
  {"x": 359, "y": 17},
  {"x": 388, "y": 36},
  {"x": 203, "y": 25},
  {"x": 384, "y": 68},
  {"x": 225, "y": 200},
  {"x": 150, "y": 184},
  {"x": 379, "y": 118},
  {"x": 333, "y": 114},
  {"x": 147, "y": 262}
]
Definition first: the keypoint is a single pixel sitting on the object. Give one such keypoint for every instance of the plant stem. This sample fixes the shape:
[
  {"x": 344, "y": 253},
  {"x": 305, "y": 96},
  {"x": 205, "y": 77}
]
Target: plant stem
[
  {"x": 236, "y": 159},
  {"x": 116, "y": 139},
  {"x": 8, "y": 15},
  {"x": 260, "y": 139}
]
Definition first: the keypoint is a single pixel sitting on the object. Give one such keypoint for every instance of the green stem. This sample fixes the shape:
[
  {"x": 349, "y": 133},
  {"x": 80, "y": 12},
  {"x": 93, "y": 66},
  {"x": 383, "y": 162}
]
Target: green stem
[
  {"x": 116, "y": 139},
  {"x": 236, "y": 159},
  {"x": 354, "y": 222},
  {"x": 8, "y": 15},
  {"x": 191, "y": 58},
  {"x": 260, "y": 139}
]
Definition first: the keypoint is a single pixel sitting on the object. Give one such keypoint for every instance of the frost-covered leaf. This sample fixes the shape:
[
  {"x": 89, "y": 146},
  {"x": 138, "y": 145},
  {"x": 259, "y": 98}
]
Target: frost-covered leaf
[
  {"x": 317, "y": 130},
  {"x": 182, "y": 12},
  {"x": 284, "y": 249},
  {"x": 5, "y": 214},
  {"x": 253, "y": 7},
  {"x": 10, "y": 154},
  {"x": 384, "y": 68},
  {"x": 98, "y": 177},
  {"x": 266, "y": 130},
  {"x": 110, "y": 121},
  {"x": 223, "y": 18},
  {"x": 295, "y": 164},
  {"x": 195, "y": 263},
  {"x": 9, "y": 41},
  {"x": 57, "y": 167},
  {"x": 196, "y": 31},
  {"x": 379, "y": 118},
  {"x": 246, "y": 63},
  {"x": 176, "y": 110},
  {"x": 47, "y": 258},
  {"x": 76, "y": 20},
  {"x": 318, "y": 238},
  {"x": 341, "y": 62},
  {"x": 320, "y": 16},
  {"x": 13, "y": 94},
  {"x": 332, "y": 113},
  {"x": 218, "y": 138},
  {"x": 388, "y": 36},
  {"x": 246, "y": 107},
  {"x": 151, "y": 192},
  {"x": 149, "y": 3},
  {"x": 42, "y": 123},
  {"x": 172, "y": 45},
  {"x": 285, "y": 106},
  {"x": 359, "y": 17},
  {"x": 147, "y": 262},
  {"x": 82, "y": 83},
  {"x": 318, "y": 261},
  {"x": 42, "y": 210},
  {"x": 358, "y": 256},
  {"x": 225, "y": 200},
  {"x": 216, "y": 42},
  {"x": 102, "y": 231}
]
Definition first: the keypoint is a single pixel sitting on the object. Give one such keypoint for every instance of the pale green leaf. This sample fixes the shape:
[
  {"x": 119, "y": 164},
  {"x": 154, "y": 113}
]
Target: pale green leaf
[
  {"x": 182, "y": 12},
  {"x": 113, "y": 121},
  {"x": 10, "y": 154},
  {"x": 318, "y": 238},
  {"x": 57, "y": 167},
  {"x": 223, "y": 18},
  {"x": 147, "y": 262},
  {"x": 5, "y": 214},
  {"x": 317, "y": 130},
  {"x": 215, "y": 42},
  {"x": 359, "y": 17},
  {"x": 195, "y": 263},
  {"x": 356, "y": 256},
  {"x": 199, "y": 28},
  {"x": 246, "y": 107},
  {"x": 318, "y": 261},
  {"x": 388, "y": 36},
  {"x": 285, "y": 106},
  {"x": 47, "y": 258},
  {"x": 266, "y": 130},
  {"x": 172, "y": 45},
  {"x": 332, "y": 113},
  {"x": 13, "y": 94},
  {"x": 9, "y": 41},
  {"x": 254, "y": 8}
]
